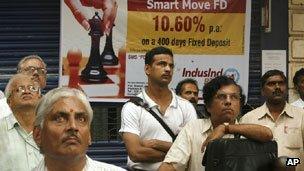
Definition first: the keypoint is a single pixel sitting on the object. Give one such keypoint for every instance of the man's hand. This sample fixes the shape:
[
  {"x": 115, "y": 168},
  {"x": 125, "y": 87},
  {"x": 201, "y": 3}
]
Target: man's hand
[
  {"x": 217, "y": 133},
  {"x": 109, "y": 8}
]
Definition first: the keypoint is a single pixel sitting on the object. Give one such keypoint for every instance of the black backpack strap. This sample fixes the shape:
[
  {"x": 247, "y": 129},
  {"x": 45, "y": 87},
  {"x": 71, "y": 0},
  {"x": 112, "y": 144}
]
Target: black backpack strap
[{"x": 140, "y": 102}]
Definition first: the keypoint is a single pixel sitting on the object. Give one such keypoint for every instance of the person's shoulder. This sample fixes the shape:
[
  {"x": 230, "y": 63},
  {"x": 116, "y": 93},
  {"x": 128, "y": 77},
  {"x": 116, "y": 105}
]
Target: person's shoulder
[
  {"x": 183, "y": 102},
  {"x": 296, "y": 110},
  {"x": 196, "y": 123},
  {"x": 254, "y": 111},
  {"x": 4, "y": 122}
]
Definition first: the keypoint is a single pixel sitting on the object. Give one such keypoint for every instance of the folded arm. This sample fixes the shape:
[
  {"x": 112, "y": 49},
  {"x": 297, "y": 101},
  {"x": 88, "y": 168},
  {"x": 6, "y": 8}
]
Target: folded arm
[
  {"x": 144, "y": 150},
  {"x": 252, "y": 131}
]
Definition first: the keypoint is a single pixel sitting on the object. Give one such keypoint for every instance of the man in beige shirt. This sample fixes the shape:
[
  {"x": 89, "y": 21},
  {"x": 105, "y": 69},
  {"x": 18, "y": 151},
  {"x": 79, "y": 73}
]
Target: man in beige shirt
[
  {"x": 223, "y": 99},
  {"x": 285, "y": 121}
]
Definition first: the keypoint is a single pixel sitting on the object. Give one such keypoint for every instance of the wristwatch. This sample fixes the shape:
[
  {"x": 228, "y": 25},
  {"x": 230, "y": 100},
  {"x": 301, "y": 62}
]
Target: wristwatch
[{"x": 226, "y": 124}]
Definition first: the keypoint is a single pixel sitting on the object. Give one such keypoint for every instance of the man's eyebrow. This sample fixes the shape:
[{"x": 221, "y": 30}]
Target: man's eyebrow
[{"x": 81, "y": 113}]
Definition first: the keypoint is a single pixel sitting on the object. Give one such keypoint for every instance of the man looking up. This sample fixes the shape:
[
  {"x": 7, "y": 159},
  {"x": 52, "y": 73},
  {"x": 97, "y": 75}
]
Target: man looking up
[
  {"x": 33, "y": 65},
  {"x": 62, "y": 132},
  {"x": 146, "y": 140},
  {"x": 18, "y": 149},
  {"x": 223, "y": 99}
]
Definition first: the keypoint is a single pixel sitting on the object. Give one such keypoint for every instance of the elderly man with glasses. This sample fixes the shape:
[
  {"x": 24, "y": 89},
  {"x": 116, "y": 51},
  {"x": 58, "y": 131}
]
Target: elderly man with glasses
[
  {"x": 18, "y": 149},
  {"x": 33, "y": 65},
  {"x": 223, "y": 99}
]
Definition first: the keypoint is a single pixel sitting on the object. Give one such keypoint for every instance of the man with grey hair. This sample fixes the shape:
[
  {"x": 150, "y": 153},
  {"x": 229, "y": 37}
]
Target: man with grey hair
[
  {"x": 62, "y": 132},
  {"x": 18, "y": 149},
  {"x": 33, "y": 65}
]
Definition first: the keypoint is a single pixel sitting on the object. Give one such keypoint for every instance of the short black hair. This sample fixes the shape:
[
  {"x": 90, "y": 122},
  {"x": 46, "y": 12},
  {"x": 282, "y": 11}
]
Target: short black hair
[
  {"x": 178, "y": 89},
  {"x": 271, "y": 73},
  {"x": 156, "y": 51},
  {"x": 211, "y": 88},
  {"x": 298, "y": 74}
]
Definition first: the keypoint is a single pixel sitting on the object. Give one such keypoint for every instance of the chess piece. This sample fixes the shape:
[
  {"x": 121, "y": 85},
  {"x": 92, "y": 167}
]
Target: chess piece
[
  {"x": 74, "y": 58},
  {"x": 94, "y": 71},
  {"x": 108, "y": 56}
]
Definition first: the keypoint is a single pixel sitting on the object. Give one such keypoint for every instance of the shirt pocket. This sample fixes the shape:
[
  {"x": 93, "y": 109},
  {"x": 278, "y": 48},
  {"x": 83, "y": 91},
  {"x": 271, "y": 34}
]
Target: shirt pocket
[{"x": 294, "y": 138}]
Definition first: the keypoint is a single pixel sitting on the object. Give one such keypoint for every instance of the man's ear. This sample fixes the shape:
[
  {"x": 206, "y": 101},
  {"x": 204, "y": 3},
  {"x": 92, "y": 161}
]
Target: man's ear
[
  {"x": 90, "y": 139},
  {"x": 262, "y": 92},
  {"x": 147, "y": 69},
  {"x": 297, "y": 88},
  {"x": 37, "y": 135}
]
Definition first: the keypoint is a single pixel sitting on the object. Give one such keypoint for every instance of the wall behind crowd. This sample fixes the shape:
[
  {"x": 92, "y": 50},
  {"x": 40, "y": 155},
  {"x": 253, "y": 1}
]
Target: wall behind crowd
[{"x": 33, "y": 27}]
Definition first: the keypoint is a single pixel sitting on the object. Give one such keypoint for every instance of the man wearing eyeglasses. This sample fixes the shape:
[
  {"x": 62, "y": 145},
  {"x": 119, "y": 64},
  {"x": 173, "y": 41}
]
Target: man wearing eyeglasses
[
  {"x": 18, "y": 149},
  {"x": 285, "y": 121},
  {"x": 223, "y": 99},
  {"x": 33, "y": 65}
]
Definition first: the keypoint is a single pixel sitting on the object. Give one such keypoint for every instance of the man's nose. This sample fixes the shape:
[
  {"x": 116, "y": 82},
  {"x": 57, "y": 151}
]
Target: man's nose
[
  {"x": 167, "y": 68},
  {"x": 35, "y": 72},
  {"x": 228, "y": 100},
  {"x": 72, "y": 124}
]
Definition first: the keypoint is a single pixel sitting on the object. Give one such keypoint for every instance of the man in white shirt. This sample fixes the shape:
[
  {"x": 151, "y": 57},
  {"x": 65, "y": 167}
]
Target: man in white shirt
[
  {"x": 147, "y": 142},
  {"x": 298, "y": 81},
  {"x": 31, "y": 65},
  {"x": 62, "y": 132},
  {"x": 16, "y": 129}
]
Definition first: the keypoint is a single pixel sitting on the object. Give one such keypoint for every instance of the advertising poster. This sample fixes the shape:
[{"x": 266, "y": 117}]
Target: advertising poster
[{"x": 208, "y": 38}]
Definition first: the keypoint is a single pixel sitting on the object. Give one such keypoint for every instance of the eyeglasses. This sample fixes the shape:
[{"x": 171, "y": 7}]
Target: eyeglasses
[
  {"x": 223, "y": 97},
  {"x": 32, "y": 69},
  {"x": 31, "y": 88}
]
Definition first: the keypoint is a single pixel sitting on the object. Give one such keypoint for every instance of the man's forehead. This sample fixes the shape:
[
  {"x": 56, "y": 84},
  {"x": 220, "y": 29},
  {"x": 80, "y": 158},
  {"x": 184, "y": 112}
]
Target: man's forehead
[
  {"x": 162, "y": 57},
  {"x": 187, "y": 86},
  {"x": 24, "y": 81},
  {"x": 275, "y": 78},
  {"x": 232, "y": 88},
  {"x": 32, "y": 62},
  {"x": 67, "y": 102}
]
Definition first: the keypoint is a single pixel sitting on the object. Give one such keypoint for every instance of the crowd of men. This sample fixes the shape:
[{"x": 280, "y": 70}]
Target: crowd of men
[{"x": 162, "y": 129}]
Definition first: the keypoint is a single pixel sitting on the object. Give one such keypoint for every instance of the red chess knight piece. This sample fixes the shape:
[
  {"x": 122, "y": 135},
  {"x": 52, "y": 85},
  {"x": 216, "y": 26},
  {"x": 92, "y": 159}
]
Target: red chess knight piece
[{"x": 74, "y": 58}]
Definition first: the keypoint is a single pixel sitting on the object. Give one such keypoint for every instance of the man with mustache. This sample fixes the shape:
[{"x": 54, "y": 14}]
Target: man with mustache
[
  {"x": 147, "y": 142},
  {"x": 62, "y": 132},
  {"x": 285, "y": 121},
  {"x": 18, "y": 149},
  {"x": 188, "y": 90},
  {"x": 223, "y": 99}
]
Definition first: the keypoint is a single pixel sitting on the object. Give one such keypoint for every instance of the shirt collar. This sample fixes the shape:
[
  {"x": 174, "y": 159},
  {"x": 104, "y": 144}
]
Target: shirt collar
[
  {"x": 43, "y": 167},
  {"x": 151, "y": 103},
  {"x": 11, "y": 121},
  {"x": 265, "y": 111},
  {"x": 207, "y": 125}
]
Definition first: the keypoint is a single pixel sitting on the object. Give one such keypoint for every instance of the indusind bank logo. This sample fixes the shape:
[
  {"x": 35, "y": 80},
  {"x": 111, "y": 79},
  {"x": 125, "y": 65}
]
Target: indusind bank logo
[
  {"x": 210, "y": 73},
  {"x": 202, "y": 73}
]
